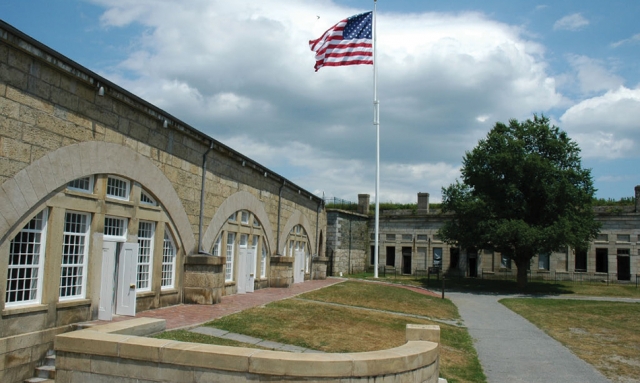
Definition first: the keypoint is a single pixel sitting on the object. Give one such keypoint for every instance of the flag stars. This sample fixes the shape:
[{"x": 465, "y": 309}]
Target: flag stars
[{"x": 359, "y": 26}]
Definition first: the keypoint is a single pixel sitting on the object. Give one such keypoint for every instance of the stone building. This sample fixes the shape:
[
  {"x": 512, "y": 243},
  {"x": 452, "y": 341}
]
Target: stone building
[
  {"x": 409, "y": 245},
  {"x": 110, "y": 205},
  {"x": 347, "y": 240}
]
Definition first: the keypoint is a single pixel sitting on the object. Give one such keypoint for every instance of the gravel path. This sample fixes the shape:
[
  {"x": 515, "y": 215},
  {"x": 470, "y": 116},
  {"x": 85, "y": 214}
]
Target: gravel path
[{"x": 511, "y": 349}]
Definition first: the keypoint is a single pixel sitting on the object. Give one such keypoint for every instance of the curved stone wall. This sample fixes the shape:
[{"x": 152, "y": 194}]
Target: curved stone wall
[{"x": 114, "y": 351}]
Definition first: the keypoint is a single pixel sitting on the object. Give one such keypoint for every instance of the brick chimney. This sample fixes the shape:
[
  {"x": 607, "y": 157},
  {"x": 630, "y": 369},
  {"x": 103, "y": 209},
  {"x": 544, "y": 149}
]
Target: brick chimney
[
  {"x": 423, "y": 202},
  {"x": 363, "y": 203},
  {"x": 637, "y": 188}
]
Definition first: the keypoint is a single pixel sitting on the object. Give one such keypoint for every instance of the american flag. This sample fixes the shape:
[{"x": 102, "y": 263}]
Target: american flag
[{"x": 346, "y": 43}]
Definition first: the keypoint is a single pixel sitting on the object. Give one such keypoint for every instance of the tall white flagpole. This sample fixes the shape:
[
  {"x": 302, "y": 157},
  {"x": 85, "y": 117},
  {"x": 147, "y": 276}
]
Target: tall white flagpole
[{"x": 376, "y": 122}]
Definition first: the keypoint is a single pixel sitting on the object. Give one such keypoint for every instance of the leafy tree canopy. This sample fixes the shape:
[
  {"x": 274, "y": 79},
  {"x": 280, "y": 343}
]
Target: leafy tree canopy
[{"x": 523, "y": 192}]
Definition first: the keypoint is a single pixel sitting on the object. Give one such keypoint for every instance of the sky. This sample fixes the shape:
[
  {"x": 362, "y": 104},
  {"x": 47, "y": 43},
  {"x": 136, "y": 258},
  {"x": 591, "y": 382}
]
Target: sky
[{"x": 242, "y": 72}]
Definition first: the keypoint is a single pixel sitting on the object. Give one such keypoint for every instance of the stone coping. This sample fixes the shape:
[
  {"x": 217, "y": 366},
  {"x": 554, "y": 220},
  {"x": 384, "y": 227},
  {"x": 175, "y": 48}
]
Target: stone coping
[
  {"x": 121, "y": 340},
  {"x": 199, "y": 259}
]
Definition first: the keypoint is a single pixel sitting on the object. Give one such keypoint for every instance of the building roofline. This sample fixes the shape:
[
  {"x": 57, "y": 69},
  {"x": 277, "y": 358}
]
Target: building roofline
[{"x": 22, "y": 41}]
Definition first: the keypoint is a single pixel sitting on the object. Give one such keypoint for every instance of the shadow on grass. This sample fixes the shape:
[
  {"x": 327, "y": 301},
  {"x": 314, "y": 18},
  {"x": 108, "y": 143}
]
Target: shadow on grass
[
  {"x": 474, "y": 285},
  {"x": 493, "y": 286}
]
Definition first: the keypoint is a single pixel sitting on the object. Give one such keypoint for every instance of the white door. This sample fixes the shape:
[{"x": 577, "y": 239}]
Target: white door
[
  {"x": 298, "y": 267},
  {"x": 242, "y": 269},
  {"x": 251, "y": 266},
  {"x": 108, "y": 276},
  {"x": 127, "y": 271}
]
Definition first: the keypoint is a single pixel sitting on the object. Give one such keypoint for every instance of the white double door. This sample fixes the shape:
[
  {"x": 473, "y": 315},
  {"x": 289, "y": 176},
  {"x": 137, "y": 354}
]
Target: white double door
[
  {"x": 118, "y": 280},
  {"x": 246, "y": 269}
]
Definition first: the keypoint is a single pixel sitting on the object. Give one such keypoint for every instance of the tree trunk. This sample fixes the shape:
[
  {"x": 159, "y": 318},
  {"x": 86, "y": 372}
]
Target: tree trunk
[{"x": 522, "y": 264}]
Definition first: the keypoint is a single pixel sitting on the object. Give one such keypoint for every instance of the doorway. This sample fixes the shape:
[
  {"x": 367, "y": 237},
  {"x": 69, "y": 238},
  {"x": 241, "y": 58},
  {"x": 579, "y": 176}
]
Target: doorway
[
  {"x": 406, "y": 260},
  {"x": 602, "y": 260},
  {"x": 472, "y": 265},
  {"x": 391, "y": 256},
  {"x": 624, "y": 265},
  {"x": 118, "y": 284}
]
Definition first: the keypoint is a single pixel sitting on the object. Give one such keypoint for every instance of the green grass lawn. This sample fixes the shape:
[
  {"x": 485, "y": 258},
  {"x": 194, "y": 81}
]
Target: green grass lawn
[
  {"x": 307, "y": 321},
  {"x": 604, "y": 334}
]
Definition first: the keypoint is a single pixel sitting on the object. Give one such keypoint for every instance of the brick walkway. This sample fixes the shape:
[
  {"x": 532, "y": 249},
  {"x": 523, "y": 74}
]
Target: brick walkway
[{"x": 186, "y": 316}]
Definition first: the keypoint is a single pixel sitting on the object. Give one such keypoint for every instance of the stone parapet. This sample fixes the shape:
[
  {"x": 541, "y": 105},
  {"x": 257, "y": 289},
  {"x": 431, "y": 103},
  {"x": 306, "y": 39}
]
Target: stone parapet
[{"x": 101, "y": 354}]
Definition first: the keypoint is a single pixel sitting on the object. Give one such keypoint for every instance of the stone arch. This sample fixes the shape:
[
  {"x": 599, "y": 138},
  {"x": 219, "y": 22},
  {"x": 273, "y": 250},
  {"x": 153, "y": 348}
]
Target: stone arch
[
  {"x": 297, "y": 218},
  {"x": 241, "y": 200},
  {"x": 49, "y": 174}
]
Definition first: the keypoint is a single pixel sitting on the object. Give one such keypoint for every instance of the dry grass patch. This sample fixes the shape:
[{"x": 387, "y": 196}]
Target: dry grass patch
[
  {"x": 385, "y": 297},
  {"x": 604, "y": 334}
]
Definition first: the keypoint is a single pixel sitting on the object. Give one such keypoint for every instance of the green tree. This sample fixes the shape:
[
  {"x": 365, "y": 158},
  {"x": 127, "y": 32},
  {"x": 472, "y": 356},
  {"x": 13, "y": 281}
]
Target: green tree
[{"x": 523, "y": 192}]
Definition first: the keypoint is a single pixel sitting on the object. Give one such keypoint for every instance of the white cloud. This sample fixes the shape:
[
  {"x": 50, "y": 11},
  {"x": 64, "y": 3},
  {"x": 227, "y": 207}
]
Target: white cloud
[
  {"x": 632, "y": 40},
  {"x": 592, "y": 76},
  {"x": 573, "y": 22},
  {"x": 238, "y": 69},
  {"x": 606, "y": 126}
]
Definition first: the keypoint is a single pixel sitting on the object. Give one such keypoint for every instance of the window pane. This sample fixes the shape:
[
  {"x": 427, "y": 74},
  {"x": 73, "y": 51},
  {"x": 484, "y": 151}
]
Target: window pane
[
  {"x": 146, "y": 231},
  {"x": 437, "y": 257},
  {"x": 26, "y": 257},
  {"x": 145, "y": 198},
  {"x": 231, "y": 237},
  {"x": 263, "y": 260},
  {"x": 168, "y": 260},
  {"x": 543, "y": 261},
  {"x": 74, "y": 256},
  {"x": 84, "y": 184},
  {"x": 118, "y": 188},
  {"x": 115, "y": 227},
  {"x": 624, "y": 238}
]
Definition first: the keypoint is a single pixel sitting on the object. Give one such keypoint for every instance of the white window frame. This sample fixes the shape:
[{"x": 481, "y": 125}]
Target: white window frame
[
  {"x": 144, "y": 272},
  {"x": 544, "y": 261},
  {"x": 437, "y": 257},
  {"x": 244, "y": 217},
  {"x": 505, "y": 262},
  {"x": 291, "y": 244},
  {"x": 70, "y": 288},
  {"x": 263, "y": 260},
  {"x": 124, "y": 227},
  {"x": 34, "y": 297},
  {"x": 228, "y": 273},
  {"x": 89, "y": 189},
  {"x": 215, "y": 250},
  {"x": 233, "y": 218},
  {"x": 127, "y": 188},
  {"x": 147, "y": 199},
  {"x": 168, "y": 261}
]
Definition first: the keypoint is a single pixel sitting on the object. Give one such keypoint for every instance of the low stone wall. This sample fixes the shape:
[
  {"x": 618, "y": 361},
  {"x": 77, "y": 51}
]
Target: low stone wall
[
  {"x": 113, "y": 353},
  {"x": 20, "y": 354}
]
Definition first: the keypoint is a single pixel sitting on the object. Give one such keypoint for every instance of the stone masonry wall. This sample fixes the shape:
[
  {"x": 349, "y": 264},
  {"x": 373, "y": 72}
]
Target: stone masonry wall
[{"x": 347, "y": 241}]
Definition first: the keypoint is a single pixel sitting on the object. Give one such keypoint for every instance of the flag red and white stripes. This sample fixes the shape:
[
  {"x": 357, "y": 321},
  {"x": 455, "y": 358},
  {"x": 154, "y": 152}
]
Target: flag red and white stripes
[{"x": 346, "y": 43}]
